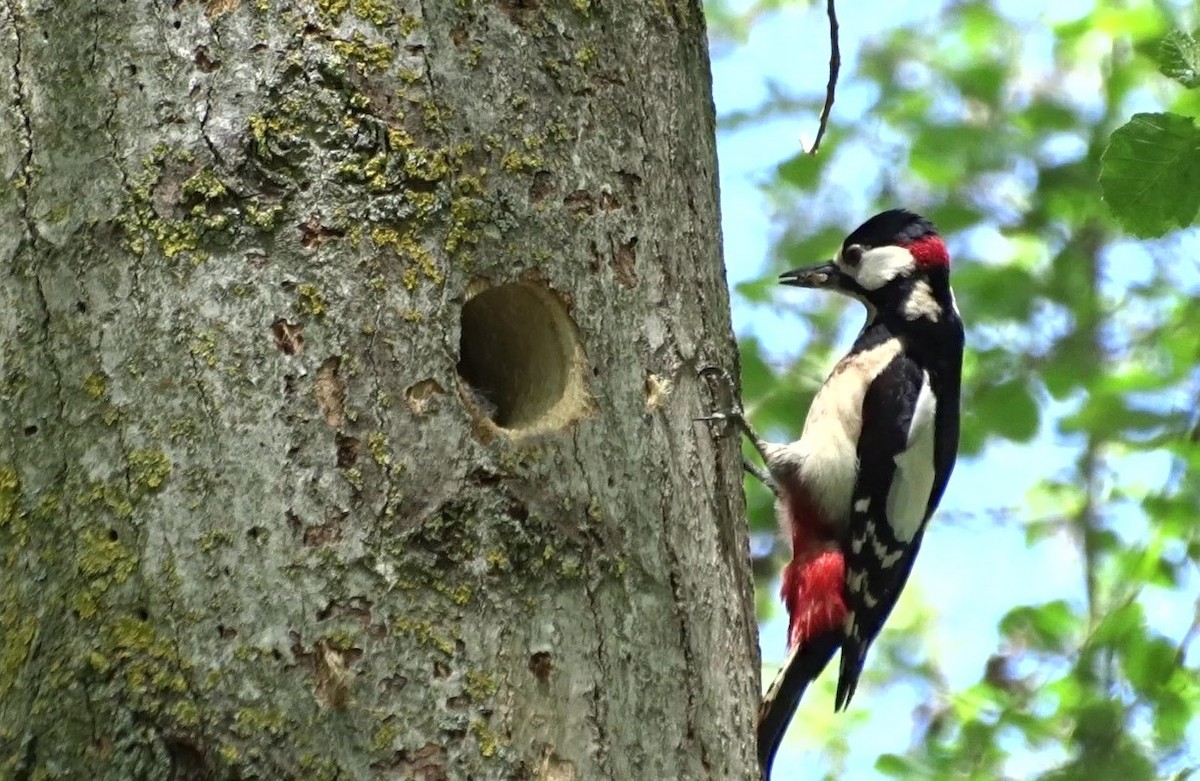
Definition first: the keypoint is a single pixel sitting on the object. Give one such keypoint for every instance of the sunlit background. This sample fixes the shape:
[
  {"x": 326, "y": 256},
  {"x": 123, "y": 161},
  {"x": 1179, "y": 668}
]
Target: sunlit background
[{"x": 1045, "y": 630}]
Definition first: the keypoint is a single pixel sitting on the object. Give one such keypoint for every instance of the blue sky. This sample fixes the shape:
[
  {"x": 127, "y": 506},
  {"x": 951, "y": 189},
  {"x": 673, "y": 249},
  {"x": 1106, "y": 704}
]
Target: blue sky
[{"x": 972, "y": 569}]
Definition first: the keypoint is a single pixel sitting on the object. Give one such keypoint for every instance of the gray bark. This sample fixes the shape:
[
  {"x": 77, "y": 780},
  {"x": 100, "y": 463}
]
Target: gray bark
[{"x": 348, "y": 384}]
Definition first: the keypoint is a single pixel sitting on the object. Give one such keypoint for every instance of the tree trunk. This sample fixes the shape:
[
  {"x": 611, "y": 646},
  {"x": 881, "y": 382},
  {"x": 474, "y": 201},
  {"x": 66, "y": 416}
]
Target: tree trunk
[{"x": 349, "y": 358}]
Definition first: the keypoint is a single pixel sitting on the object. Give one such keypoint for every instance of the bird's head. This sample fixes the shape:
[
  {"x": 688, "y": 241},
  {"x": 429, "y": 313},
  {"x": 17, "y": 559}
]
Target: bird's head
[{"x": 882, "y": 262}]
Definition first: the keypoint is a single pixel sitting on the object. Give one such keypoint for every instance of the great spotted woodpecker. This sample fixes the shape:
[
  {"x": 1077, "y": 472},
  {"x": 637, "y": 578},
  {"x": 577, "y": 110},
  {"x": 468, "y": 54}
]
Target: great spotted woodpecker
[{"x": 857, "y": 488}]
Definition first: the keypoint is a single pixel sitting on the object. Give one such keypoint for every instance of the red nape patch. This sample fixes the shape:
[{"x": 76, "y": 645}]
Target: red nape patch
[
  {"x": 812, "y": 592},
  {"x": 930, "y": 251}
]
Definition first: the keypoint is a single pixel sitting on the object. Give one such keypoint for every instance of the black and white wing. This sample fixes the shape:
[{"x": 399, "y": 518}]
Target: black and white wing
[{"x": 905, "y": 461}]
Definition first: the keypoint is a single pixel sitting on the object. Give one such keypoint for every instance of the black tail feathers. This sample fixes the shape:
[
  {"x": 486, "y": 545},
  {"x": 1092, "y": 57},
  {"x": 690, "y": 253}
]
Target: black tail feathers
[{"x": 803, "y": 665}]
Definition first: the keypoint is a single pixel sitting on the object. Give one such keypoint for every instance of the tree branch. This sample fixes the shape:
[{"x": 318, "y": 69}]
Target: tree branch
[{"x": 835, "y": 64}]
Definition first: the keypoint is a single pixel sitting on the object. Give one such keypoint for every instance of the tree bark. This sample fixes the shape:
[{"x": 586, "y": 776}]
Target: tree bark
[{"x": 349, "y": 356}]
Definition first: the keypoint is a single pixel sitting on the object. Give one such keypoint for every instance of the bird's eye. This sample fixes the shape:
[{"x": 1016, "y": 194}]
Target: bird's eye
[{"x": 852, "y": 255}]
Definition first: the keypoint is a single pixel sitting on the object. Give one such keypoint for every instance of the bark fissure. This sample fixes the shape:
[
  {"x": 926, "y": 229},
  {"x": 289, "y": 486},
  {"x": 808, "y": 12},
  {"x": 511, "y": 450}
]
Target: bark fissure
[
  {"x": 596, "y": 707},
  {"x": 95, "y": 48},
  {"x": 386, "y": 458},
  {"x": 19, "y": 100},
  {"x": 682, "y": 618},
  {"x": 211, "y": 412},
  {"x": 599, "y": 627},
  {"x": 209, "y": 80}
]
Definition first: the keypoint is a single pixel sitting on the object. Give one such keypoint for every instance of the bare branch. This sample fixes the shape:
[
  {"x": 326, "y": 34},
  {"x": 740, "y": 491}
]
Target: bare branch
[{"x": 835, "y": 64}]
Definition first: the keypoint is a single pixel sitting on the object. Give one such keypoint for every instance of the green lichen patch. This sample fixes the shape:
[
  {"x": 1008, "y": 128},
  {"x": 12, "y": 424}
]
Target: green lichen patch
[
  {"x": 377, "y": 443},
  {"x": 427, "y": 633},
  {"x": 10, "y": 496},
  {"x": 204, "y": 185},
  {"x": 112, "y": 497},
  {"x": 416, "y": 260},
  {"x": 480, "y": 685},
  {"x": 408, "y": 194},
  {"x": 253, "y": 722},
  {"x": 517, "y": 161},
  {"x": 310, "y": 300},
  {"x": 103, "y": 563},
  {"x": 330, "y": 11},
  {"x": 213, "y": 539},
  {"x": 182, "y": 210},
  {"x": 488, "y": 742},
  {"x": 367, "y": 57},
  {"x": 376, "y": 12},
  {"x": 96, "y": 385},
  {"x": 148, "y": 470},
  {"x": 18, "y": 628},
  {"x": 152, "y": 670}
]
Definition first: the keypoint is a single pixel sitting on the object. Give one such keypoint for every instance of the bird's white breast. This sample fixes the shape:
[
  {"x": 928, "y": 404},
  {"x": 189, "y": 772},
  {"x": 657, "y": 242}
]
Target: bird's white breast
[{"x": 825, "y": 458}]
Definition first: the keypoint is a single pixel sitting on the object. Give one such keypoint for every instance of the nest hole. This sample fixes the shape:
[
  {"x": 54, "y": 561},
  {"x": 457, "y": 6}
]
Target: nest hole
[{"x": 520, "y": 359}]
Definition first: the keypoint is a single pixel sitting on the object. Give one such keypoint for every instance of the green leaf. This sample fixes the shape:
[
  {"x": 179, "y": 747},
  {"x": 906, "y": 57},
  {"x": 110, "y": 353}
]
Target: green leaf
[
  {"x": 1127, "y": 621},
  {"x": 897, "y": 766},
  {"x": 1150, "y": 173},
  {"x": 1172, "y": 714},
  {"x": 1009, "y": 408},
  {"x": 803, "y": 170},
  {"x": 1179, "y": 58},
  {"x": 1049, "y": 627},
  {"x": 995, "y": 292},
  {"x": 1149, "y": 664}
]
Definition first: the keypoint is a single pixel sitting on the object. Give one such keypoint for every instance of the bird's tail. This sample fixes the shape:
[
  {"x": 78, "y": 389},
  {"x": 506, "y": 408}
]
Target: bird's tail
[{"x": 804, "y": 663}]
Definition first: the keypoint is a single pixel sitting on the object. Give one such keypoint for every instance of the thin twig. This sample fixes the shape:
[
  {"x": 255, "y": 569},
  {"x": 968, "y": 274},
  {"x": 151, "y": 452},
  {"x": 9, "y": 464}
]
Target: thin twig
[
  {"x": 835, "y": 64},
  {"x": 1188, "y": 637}
]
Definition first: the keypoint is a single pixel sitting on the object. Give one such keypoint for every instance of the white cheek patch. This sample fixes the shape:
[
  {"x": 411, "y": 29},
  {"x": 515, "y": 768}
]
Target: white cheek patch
[
  {"x": 880, "y": 265},
  {"x": 908, "y": 498}
]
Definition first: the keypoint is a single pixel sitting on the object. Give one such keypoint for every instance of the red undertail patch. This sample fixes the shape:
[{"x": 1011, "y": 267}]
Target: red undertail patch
[{"x": 812, "y": 592}]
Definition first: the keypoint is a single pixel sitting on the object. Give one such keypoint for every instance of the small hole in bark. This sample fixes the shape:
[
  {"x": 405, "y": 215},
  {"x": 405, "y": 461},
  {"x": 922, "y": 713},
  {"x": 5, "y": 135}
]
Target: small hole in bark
[
  {"x": 141, "y": 614},
  {"x": 541, "y": 665},
  {"x": 31, "y": 430},
  {"x": 347, "y": 450},
  {"x": 520, "y": 361},
  {"x": 113, "y": 536}
]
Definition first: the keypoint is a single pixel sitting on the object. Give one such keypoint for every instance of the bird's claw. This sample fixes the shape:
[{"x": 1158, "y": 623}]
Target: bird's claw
[{"x": 726, "y": 398}]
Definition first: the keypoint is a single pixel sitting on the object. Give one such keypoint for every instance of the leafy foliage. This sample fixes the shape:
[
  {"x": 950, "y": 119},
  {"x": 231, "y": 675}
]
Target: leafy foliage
[
  {"x": 1015, "y": 135},
  {"x": 1179, "y": 58},
  {"x": 1151, "y": 173},
  {"x": 1151, "y": 169}
]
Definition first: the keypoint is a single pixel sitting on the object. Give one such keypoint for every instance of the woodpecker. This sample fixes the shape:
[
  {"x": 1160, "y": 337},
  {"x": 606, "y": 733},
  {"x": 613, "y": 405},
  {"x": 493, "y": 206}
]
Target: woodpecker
[{"x": 856, "y": 490}]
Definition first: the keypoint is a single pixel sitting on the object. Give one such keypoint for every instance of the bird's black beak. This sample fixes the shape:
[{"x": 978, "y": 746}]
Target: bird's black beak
[{"x": 826, "y": 276}]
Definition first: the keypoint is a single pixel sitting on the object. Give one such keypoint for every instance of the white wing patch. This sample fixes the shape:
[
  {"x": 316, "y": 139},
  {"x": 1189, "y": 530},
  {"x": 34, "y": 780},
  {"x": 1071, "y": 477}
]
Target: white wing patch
[{"x": 908, "y": 497}]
